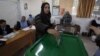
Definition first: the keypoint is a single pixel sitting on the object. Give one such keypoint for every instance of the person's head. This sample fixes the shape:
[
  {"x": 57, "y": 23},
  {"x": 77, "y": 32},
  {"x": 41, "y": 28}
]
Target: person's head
[
  {"x": 98, "y": 18},
  {"x": 23, "y": 18},
  {"x": 67, "y": 12},
  {"x": 45, "y": 8},
  {"x": 2, "y": 23},
  {"x": 30, "y": 15},
  {"x": 62, "y": 11},
  {"x": 98, "y": 41}
]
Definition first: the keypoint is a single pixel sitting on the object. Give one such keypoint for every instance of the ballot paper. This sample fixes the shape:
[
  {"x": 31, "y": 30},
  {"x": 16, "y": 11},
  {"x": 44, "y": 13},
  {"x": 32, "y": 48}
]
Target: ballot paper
[{"x": 29, "y": 28}]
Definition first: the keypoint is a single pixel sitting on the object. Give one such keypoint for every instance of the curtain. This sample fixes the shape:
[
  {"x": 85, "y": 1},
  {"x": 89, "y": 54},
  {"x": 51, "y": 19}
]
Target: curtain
[{"x": 85, "y": 8}]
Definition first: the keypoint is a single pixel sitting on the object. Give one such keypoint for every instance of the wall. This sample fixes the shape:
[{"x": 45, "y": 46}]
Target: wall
[
  {"x": 67, "y": 4},
  {"x": 82, "y": 22},
  {"x": 8, "y": 11},
  {"x": 34, "y": 7}
]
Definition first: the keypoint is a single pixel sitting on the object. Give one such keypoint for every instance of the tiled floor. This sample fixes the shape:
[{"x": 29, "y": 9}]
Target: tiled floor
[{"x": 89, "y": 45}]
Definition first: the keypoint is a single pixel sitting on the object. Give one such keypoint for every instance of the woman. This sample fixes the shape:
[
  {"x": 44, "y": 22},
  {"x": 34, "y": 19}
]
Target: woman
[{"x": 42, "y": 22}]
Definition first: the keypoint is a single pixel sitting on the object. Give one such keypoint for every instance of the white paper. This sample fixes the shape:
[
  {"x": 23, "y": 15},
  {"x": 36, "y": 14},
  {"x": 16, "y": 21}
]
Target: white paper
[
  {"x": 11, "y": 35},
  {"x": 3, "y": 39},
  {"x": 33, "y": 27},
  {"x": 29, "y": 28},
  {"x": 26, "y": 29}
]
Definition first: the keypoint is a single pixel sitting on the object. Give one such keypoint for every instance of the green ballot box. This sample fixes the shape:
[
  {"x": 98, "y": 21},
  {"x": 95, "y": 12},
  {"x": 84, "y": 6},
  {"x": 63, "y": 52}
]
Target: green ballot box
[{"x": 69, "y": 45}]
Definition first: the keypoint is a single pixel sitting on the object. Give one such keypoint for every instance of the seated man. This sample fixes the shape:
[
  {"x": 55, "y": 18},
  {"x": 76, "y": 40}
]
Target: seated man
[
  {"x": 22, "y": 24},
  {"x": 4, "y": 28},
  {"x": 67, "y": 19},
  {"x": 31, "y": 19},
  {"x": 95, "y": 24}
]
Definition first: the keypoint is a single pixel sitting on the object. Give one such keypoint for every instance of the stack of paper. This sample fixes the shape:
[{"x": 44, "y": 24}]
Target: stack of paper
[{"x": 29, "y": 28}]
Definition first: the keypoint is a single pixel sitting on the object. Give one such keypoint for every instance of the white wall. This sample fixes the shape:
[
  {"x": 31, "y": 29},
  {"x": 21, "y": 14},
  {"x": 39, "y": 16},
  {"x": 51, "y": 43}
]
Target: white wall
[
  {"x": 8, "y": 11},
  {"x": 83, "y": 23},
  {"x": 34, "y": 7}
]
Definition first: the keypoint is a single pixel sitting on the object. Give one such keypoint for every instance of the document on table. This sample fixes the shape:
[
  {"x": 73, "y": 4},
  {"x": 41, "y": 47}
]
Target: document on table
[
  {"x": 8, "y": 36},
  {"x": 29, "y": 28}
]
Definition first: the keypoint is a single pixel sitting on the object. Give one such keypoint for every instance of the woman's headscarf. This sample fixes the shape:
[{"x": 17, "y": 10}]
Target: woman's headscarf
[
  {"x": 45, "y": 17},
  {"x": 97, "y": 20}
]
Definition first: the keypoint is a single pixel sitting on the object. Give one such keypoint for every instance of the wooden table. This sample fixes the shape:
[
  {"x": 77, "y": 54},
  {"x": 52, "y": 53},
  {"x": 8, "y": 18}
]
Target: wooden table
[{"x": 22, "y": 39}]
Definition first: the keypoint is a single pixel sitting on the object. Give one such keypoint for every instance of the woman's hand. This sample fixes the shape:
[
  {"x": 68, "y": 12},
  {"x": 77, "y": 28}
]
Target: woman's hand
[{"x": 53, "y": 32}]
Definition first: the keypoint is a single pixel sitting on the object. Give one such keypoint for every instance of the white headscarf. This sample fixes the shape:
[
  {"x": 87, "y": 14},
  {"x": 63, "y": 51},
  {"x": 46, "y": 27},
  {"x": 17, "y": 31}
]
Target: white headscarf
[{"x": 97, "y": 20}]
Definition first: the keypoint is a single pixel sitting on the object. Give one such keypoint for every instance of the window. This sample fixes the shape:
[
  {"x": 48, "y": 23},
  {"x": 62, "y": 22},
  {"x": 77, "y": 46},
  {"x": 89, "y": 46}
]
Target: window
[
  {"x": 75, "y": 6},
  {"x": 96, "y": 8},
  {"x": 55, "y": 7}
]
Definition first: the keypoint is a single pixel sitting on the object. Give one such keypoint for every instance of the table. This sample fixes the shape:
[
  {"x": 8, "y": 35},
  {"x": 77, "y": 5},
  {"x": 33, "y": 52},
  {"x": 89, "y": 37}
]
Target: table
[{"x": 19, "y": 41}]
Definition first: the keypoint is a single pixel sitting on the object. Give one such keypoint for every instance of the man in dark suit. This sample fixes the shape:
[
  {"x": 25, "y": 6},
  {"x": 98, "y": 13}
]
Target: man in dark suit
[{"x": 4, "y": 28}]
